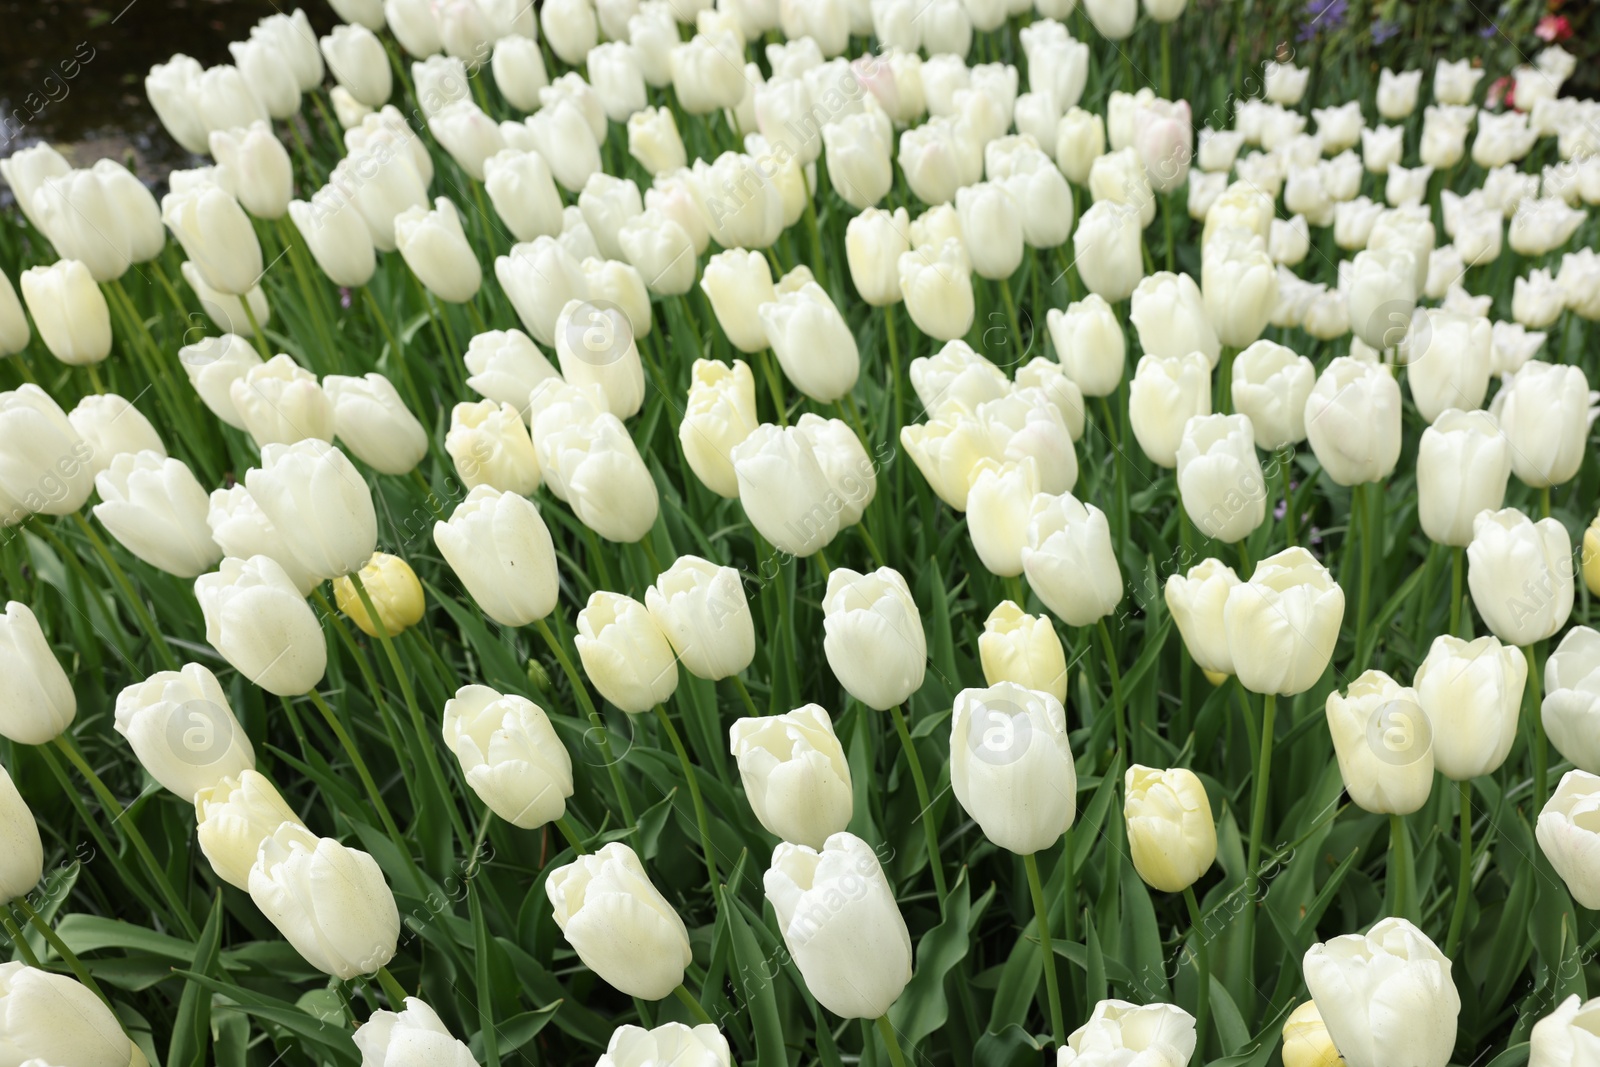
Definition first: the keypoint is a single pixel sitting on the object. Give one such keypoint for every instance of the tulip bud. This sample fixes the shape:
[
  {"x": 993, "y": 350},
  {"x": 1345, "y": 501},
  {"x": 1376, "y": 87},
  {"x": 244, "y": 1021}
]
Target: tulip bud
[
  {"x": 213, "y": 365},
  {"x": 327, "y": 900},
  {"x": 858, "y": 149},
  {"x": 841, "y": 925},
  {"x": 1283, "y": 623},
  {"x": 1197, "y": 601},
  {"x": 654, "y": 141},
  {"x": 814, "y": 345},
  {"x": 1163, "y": 396},
  {"x": 1570, "y": 710},
  {"x": 413, "y": 1036},
  {"x": 313, "y": 494},
  {"x": 14, "y": 330},
  {"x": 1011, "y": 767},
  {"x": 42, "y": 704},
  {"x": 83, "y": 223},
  {"x": 940, "y": 157},
  {"x": 260, "y": 623},
  {"x": 1069, "y": 560},
  {"x": 1107, "y": 249},
  {"x": 1172, "y": 836},
  {"x": 701, "y": 609},
  {"x": 619, "y": 924},
  {"x": 785, "y": 492},
  {"x": 510, "y": 755},
  {"x": 719, "y": 414},
  {"x": 795, "y": 774},
  {"x": 182, "y": 730},
  {"x": 1119, "y": 178},
  {"x": 873, "y": 636},
  {"x": 1305, "y": 1040},
  {"x": 437, "y": 251},
  {"x": 1568, "y": 1036},
  {"x": 1080, "y": 140},
  {"x": 258, "y": 168},
  {"x": 27, "y": 170},
  {"x": 499, "y": 548},
  {"x": 1357, "y": 982},
  {"x": 571, "y": 29},
  {"x": 46, "y": 467},
  {"x": 1520, "y": 575},
  {"x": 1353, "y": 421},
  {"x": 23, "y": 865},
  {"x": 337, "y": 235},
  {"x": 1544, "y": 412},
  {"x": 992, "y": 218},
  {"x": 373, "y": 422},
  {"x": 1160, "y": 1035},
  {"x": 69, "y": 309},
  {"x": 1089, "y": 343},
  {"x": 738, "y": 283},
  {"x": 1463, "y": 464},
  {"x": 490, "y": 446},
  {"x": 156, "y": 509},
  {"x": 1472, "y": 692},
  {"x": 392, "y": 586},
  {"x": 216, "y": 236},
  {"x": 936, "y": 283},
  {"x": 49, "y": 1018},
  {"x": 506, "y": 366},
  {"x": 1021, "y": 648},
  {"x": 625, "y": 653},
  {"x": 1567, "y": 839},
  {"x": 1241, "y": 287},
  {"x": 519, "y": 73},
  {"x": 281, "y": 403},
  {"x": 233, "y": 816},
  {"x": 1383, "y": 739},
  {"x": 523, "y": 193}
]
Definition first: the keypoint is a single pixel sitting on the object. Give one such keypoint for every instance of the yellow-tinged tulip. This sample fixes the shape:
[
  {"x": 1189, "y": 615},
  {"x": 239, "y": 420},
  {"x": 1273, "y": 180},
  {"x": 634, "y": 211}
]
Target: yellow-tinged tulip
[
  {"x": 1305, "y": 1040},
  {"x": 395, "y": 592}
]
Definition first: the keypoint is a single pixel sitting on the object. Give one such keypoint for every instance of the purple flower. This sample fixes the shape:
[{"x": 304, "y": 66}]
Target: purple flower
[
  {"x": 1320, "y": 15},
  {"x": 1489, "y": 30},
  {"x": 1383, "y": 30}
]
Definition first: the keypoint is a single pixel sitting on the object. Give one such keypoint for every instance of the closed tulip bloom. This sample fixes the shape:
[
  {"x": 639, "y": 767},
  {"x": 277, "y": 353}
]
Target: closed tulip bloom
[
  {"x": 661, "y": 251},
  {"x": 795, "y": 774},
  {"x": 738, "y": 283},
  {"x": 1463, "y": 464},
  {"x": 1089, "y": 343},
  {"x": 1544, "y": 411},
  {"x": 518, "y": 69},
  {"x": 1571, "y": 709},
  {"x": 1285, "y": 83},
  {"x": 1240, "y": 284},
  {"x": 813, "y": 343},
  {"x": 992, "y": 219},
  {"x": 719, "y": 414},
  {"x": 999, "y": 502},
  {"x": 858, "y": 148},
  {"x": 24, "y": 852},
  {"x": 1568, "y": 1036},
  {"x": 1107, "y": 246},
  {"x": 72, "y": 315},
  {"x": 619, "y": 924},
  {"x": 873, "y": 636},
  {"x": 241, "y": 529},
  {"x": 226, "y": 311},
  {"x": 1151, "y": 1035},
  {"x": 368, "y": 13},
  {"x": 1386, "y": 996},
  {"x": 1472, "y": 693},
  {"x": 571, "y": 29},
  {"x": 1164, "y": 394},
  {"x": 1567, "y": 836},
  {"x": 1080, "y": 140},
  {"x": 1170, "y": 317},
  {"x": 182, "y": 730},
  {"x": 595, "y": 347},
  {"x": 409, "y": 1038},
  {"x": 938, "y": 158},
  {"x": 347, "y": 109},
  {"x": 596, "y": 468},
  {"x": 46, "y": 467},
  {"x": 258, "y": 167},
  {"x": 1383, "y": 738},
  {"x": 1120, "y": 178},
  {"x": 1197, "y": 601},
  {"x": 701, "y": 608},
  {"x": 359, "y": 65},
  {"x": 625, "y": 653},
  {"x": 540, "y": 278},
  {"x": 1397, "y": 93},
  {"x": 1271, "y": 385},
  {"x": 313, "y": 494},
  {"x": 509, "y": 754},
  {"x": 1171, "y": 833},
  {"x": 490, "y": 446},
  {"x": 606, "y": 203},
  {"x": 1537, "y": 300},
  {"x": 49, "y": 1018},
  {"x": 327, "y": 900},
  {"x": 27, "y": 169},
  {"x": 874, "y": 242},
  {"x": 1220, "y": 481},
  {"x": 523, "y": 193},
  {"x": 156, "y": 509},
  {"x": 841, "y": 925},
  {"x": 1452, "y": 370},
  {"x": 216, "y": 236},
  {"x": 1024, "y": 649},
  {"x": 1069, "y": 560},
  {"x": 1112, "y": 19},
  {"x": 84, "y": 223},
  {"x": 654, "y": 141},
  {"x": 39, "y": 702},
  {"x": 1520, "y": 575},
  {"x": 1305, "y": 1039},
  {"x": 373, "y": 422},
  {"x": 260, "y": 623},
  {"x": 337, "y": 236},
  {"x": 1353, "y": 421},
  {"x": 499, "y": 547},
  {"x": 1283, "y": 623},
  {"x": 437, "y": 251},
  {"x": 1011, "y": 767},
  {"x": 392, "y": 587},
  {"x": 936, "y": 283},
  {"x": 1050, "y": 378},
  {"x": 14, "y": 330},
  {"x": 213, "y": 365},
  {"x": 233, "y": 816}
]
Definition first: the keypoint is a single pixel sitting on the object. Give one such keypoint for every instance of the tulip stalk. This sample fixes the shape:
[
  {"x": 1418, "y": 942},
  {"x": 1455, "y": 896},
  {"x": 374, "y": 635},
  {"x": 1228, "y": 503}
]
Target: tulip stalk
[
  {"x": 1457, "y": 559},
  {"x": 599, "y": 724},
  {"x": 1259, "y": 792},
  {"x": 255, "y": 327},
  {"x": 1541, "y": 746},
  {"x": 568, "y": 831},
  {"x": 891, "y": 1041},
  {"x": 1202, "y": 962},
  {"x": 1042, "y": 913},
  {"x": 744, "y": 695},
  {"x": 14, "y": 932},
  {"x": 1116, "y": 687},
  {"x": 392, "y": 989},
  {"x": 130, "y": 594},
  {"x": 694, "y": 790},
  {"x": 929, "y": 830},
  {"x": 1458, "y": 918},
  {"x": 53, "y": 939},
  {"x": 1400, "y": 871},
  {"x": 695, "y": 1009},
  {"x": 368, "y": 783}
]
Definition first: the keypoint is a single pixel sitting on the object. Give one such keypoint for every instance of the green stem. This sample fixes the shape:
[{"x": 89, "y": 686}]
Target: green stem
[
  {"x": 687, "y": 998},
  {"x": 1258, "y": 800},
  {"x": 818, "y": 260},
  {"x": 599, "y": 724},
  {"x": 348, "y": 743},
  {"x": 255, "y": 327},
  {"x": 694, "y": 791},
  {"x": 570, "y": 832},
  {"x": 891, "y": 1041},
  {"x": 1285, "y": 455},
  {"x": 392, "y": 989},
  {"x": 744, "y": 694},
  {"x": 1370, "y": 502},
  {"x": 1541, "y": 750},
  {"x": 24, "y": 949},
  {"x": 1457, "y": 557},
  {"x": 1544, "y": 501},
  {"x": 94, "y": 378},
  {"x": 397, "y": 354},
  {"x": 1046, "y": 949},
  {"x": 929, "y": 830},
  {"x": 1011, "y": 316},
  {"x": 1464, "y": 879},
  {"x": 1397, "y": 866},
  {"x": 54, "y": 941},
  {"x": 1224, "y": 404},
  {"x": 131, "y": 595},
  {"x": 1166, "y": 69},
  {"x": 774, "y": 385},
  {"x": 1116, "y": 685},
  {"x": 1202, "y": 961}
]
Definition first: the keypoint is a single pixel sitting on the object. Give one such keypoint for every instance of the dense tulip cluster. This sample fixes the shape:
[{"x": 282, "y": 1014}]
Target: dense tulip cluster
[{"x": 1246, "y": 450}]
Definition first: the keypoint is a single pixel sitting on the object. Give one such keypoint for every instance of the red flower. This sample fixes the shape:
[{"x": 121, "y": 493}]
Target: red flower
[
  {"x": 1502, "y": 91},
  {"x": 1553, "y": 28}
]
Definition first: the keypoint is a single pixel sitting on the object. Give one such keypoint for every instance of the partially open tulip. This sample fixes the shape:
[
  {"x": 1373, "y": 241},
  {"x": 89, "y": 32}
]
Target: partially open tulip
[
  {"x": 1220, "y": 481},
  {"x": 1069, "y": 559},
  {"x": 674, "y": 1043},
  {"x": 1383, "y": 739},
  {"x": 510, "y": 755},
  {"x": 1011, "y": 767},
  {"x": 1386, "y": 996},
  {"x": 499, "y": 547},
  {"x": 182, "y": 730},
  {"x": 873, "y": 636},
  {"x": 1164, "y": 395},
  {"x": 1023, "y": 649},
  {"x": 72, "y": 315},
  {"x": 1170, "y": 317},
  {"x": 701, "y": 608},
  {"x": 1172, "y": 836},
  {"x": 1568, "y": 1036},
  {"x": 1544, "y": 411},
  {"x": 1283, "y": 623},
  {"x": 1520, "y": 575},
  {"x": 619, "y": 924},
  {"x": 328, "y": 900},
  {"x": 1285, "y": 83},
  {"x": 241, "y": 529},
  {"x": 1571, "y": 712},
  {"x": 1463, "y": 464},
  {"x": 1157, "y": 1035},
  {"x": 1353, "y": 421},
  {"x": 111, "y": 427},
  {"x": 50, "y": 1018},
  {"x": 413, "y": 1036},
  {"x": 372, "y": 421},
  {"x": 490, "y": 446},
  {"x": 156, "y": 509},
  {"x": 588, "y": 460},
  {"x": 233, "y": 816},
  {"x": 1271, "y": 385},
  {"x": 315, "y": 496},
  {"x": 841, "y": 925},
  {"x": 1197, "y": 601},
  {"x": 280, "y": 402},
  {"x": 258, "y": 620},
  {"x": 625, "y": 653},
  {"x": 1568, "y": 838},
  {"x": 795, "y": 774}
]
